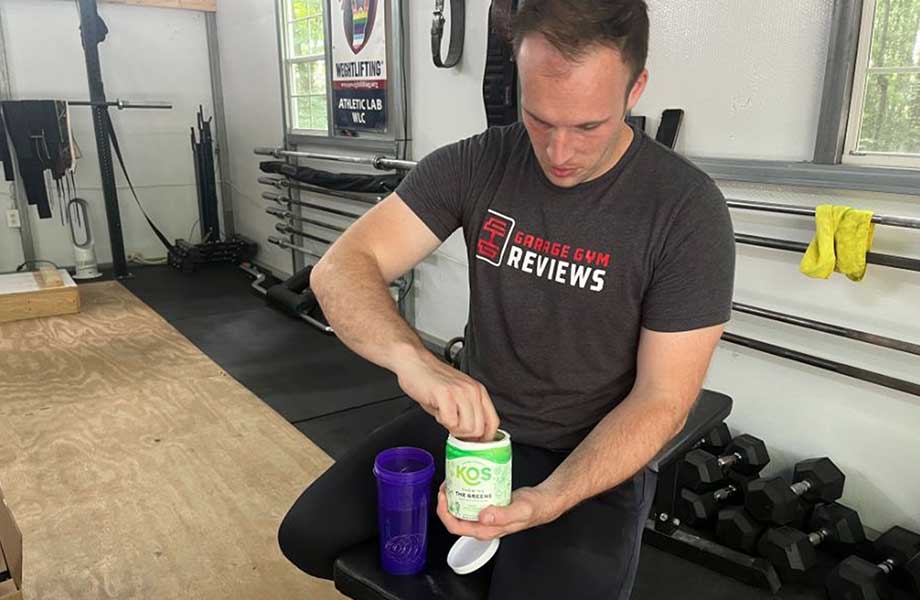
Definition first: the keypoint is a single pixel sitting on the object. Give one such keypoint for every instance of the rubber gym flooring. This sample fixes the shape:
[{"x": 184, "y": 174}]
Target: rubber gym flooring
[{"x": 335, "y": 397}]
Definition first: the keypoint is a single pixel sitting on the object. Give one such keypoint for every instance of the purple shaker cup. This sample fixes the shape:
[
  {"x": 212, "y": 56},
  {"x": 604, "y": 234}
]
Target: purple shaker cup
[{"x": 403, "y": 491}]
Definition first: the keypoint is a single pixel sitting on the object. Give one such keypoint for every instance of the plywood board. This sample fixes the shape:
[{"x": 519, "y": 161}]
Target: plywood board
[
  {"x": 40, "y": 294},
  {"x": 141, "y": 483},
  {"x": 8, "y": 591}
]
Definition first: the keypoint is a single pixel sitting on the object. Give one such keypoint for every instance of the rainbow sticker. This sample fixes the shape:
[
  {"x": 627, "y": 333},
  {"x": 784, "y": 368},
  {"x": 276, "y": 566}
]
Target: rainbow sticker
[{"x": 359, "y": 17}]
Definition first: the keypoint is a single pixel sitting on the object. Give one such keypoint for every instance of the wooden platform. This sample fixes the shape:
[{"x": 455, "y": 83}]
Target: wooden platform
[
  {"x": 37, "y": 294},
  {"x": 137, "y": 468}
]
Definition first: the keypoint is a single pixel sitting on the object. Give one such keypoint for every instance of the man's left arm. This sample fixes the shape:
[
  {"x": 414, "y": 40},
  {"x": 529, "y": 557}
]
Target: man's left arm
[{"x": 670, "y": 367}]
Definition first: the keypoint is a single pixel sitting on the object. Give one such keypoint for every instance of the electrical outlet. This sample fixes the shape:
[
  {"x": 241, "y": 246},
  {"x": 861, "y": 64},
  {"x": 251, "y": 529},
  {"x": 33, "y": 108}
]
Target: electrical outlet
[{"x": 12, "y": 218}]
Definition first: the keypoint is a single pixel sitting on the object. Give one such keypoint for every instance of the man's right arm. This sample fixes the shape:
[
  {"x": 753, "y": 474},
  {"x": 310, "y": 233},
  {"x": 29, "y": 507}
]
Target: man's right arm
[{"x": 351, "y": 284}]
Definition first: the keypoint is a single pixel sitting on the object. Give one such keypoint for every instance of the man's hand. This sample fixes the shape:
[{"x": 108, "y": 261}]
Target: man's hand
[
  {"x": 458, "y": 402},
  {"x": 530, "y": 507}
]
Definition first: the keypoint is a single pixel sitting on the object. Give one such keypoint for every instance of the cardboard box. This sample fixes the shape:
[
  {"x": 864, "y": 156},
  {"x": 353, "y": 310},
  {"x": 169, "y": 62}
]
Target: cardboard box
[
  {"x": 10, "y": 554},
  {"x": 44, "y": 293}
]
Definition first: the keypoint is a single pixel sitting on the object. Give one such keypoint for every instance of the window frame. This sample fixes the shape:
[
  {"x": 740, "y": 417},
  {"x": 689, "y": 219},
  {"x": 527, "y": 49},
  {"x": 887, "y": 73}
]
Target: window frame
[
  {"x": 397, "y": 139},
  {"x": 850, "y": 154},
  {"x": 287, "y": 67}
]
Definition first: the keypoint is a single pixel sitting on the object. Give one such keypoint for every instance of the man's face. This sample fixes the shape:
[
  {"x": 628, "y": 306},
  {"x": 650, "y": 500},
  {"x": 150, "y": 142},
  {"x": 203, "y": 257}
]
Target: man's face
[{"x": 574, "y": 111}]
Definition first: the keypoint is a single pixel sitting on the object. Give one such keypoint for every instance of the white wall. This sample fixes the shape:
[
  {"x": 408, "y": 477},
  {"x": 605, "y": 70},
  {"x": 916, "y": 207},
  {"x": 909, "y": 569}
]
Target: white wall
[
  {"x": 446, "y": 106},
  {"x": 748, "y": 74},
  {"x": 249, "y": 65},
  {"x": 10, "y": 246},
  {"x": 149, "y": 54}
]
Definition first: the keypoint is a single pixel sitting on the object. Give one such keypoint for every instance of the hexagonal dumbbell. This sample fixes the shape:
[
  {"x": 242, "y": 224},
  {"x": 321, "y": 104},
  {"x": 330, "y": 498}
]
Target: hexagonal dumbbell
[
  {"x": 700, "y": 470},
  {"x": 859, "y": 579},
  {"x": 738, "y": 529},
  {"x": 699, "y": 508},
  {"x": 793, "y": 552},
  {"x": 716, "y": 440},
  {"x": 774, "y": 500}
]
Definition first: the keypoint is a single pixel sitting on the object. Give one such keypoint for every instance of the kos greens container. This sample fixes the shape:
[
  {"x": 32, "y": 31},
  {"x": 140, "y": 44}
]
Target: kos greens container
[{"x": 478, "y": 474}]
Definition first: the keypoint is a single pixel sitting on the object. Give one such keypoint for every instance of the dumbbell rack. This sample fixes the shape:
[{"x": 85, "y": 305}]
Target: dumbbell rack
[{"x": 664, "y": 530}]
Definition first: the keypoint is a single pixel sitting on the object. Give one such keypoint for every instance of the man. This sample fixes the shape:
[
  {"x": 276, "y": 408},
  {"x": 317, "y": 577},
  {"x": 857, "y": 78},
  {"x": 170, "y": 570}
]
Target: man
[{"x": 601, "y": 269}]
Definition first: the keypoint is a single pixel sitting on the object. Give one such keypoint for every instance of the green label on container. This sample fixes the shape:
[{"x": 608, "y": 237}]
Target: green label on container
[{"x": 477, "y": 479}]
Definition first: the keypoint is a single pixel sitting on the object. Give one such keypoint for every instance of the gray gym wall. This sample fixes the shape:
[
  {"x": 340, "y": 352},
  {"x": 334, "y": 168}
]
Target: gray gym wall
[
  {"x": 249, "y": 64},
  {"x": 750, "y": 77},
  {"x": 150, "y": 54}
]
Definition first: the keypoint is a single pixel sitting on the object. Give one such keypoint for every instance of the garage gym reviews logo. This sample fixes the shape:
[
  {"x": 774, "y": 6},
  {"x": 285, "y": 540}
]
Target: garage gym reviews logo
[{"x": 575, "y": 266}]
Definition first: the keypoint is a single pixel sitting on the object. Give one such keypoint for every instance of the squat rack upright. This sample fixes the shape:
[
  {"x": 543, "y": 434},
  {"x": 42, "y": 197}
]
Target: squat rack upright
[{"x": 93, "y": 32}]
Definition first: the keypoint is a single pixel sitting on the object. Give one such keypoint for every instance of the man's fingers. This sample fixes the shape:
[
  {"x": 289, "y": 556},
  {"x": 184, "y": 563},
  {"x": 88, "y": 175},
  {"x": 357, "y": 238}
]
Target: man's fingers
[
  {"x": 458, "y": 402},
  {"x": 479, "y": 416},
  {"x": 491, "y": 416},
  {"x": 502, "y": 516},
  {"x": 477, "y": 530},
  {"x": 442, "y": 506},
  {"x": 473, "y": 529},
  {"x": 451, "y": 523},
  {"x": 467, "y": 423},
  {"x": 459, "y": 527},
  {"x": 442, "y": 499},
  {"x": 447, "y": 413}
]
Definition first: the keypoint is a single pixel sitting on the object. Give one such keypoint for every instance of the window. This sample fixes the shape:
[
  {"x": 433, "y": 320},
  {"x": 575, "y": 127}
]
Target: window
[
  {"x": 305, "y": 64},
  {"x": 884, "y": 121}
]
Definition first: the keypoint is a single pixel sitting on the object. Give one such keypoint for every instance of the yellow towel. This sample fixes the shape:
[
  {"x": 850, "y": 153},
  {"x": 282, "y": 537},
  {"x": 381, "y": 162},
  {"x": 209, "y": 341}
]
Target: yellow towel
[{"x": 843, "y": 236}]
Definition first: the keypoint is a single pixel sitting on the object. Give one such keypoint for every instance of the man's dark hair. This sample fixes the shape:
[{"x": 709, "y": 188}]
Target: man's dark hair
[{"x": 574, "y": 26}]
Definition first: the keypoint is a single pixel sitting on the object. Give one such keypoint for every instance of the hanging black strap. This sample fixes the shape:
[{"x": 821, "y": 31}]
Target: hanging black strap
[
  {"x": 502, "y": 13},
  {"x": 121, "y": 161},
  {"x": 499, "y": 80},
  {"x": 457, "y": 30},
  {"x": 5, "y": 157}
]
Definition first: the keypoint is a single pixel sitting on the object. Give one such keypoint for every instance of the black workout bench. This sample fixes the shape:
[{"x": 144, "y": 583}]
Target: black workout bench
[{"x": 358, "y": 573}]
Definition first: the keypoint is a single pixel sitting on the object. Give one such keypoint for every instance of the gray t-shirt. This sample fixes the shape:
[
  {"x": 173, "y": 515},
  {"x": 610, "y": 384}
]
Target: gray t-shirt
[{"x": 562, "y": 279}]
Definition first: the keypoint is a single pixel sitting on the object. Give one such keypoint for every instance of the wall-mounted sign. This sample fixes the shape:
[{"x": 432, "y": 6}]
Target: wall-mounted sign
[{"x": 359, "y": 64}]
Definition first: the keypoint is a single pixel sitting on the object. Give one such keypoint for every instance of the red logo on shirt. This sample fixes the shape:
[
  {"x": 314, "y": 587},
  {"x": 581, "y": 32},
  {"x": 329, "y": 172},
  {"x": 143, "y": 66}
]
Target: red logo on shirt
[
  {"x": 493, "y": 238},
  {"x": 501, "y": 244}
]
